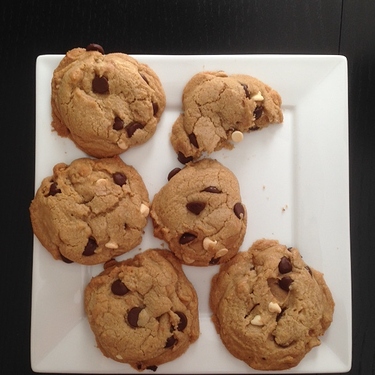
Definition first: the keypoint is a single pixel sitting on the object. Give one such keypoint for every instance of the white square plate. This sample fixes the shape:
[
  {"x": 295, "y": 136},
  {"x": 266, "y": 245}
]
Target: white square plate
[{"x": 294, "y": 182}]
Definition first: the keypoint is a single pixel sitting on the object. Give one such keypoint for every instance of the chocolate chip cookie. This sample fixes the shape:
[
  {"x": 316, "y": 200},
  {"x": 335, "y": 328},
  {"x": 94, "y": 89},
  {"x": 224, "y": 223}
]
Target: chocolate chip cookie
[
  {"x": 199, "y": 213},
  {"x": 218, "y": 109},
  {"x": 269, "y": 306},
  {"x": 143, "y": 311},
  {"x": 91, "y": 210},
  {"x": 106, "y": 103}
]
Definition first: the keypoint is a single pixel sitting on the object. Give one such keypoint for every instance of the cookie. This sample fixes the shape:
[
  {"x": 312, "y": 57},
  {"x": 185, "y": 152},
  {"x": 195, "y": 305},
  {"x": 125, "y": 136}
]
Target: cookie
[
  {"x": 269, "y": 307},
  {"x": 218, "y": 109},
  {"x": 143, "y": 311},
  {"x": 199, "y": 213},
  {"x": 105, "y": 103},
  {"x": 91, "y": 210}
]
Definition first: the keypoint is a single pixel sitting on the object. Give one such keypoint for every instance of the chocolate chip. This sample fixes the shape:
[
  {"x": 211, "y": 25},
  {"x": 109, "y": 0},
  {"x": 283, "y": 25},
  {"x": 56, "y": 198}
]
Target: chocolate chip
[
  {"x": 258, "y": 112},
  {"x": 155, "y": 108},
  {"x": 246, "y": 88},
  {"x": 133, "y": 127},
  {"x": 285, "y": 265},
  {"x": 186, "y": 238},
  {"x": 119, "y": 288},
  {"x": 193, "y": 140},
  {"x": 152, "y": 368},
  {"x": 90, "y": 247},
  {"x": 239, "y": 210},
  {"x": 95, "y": 47},
  {"x": 183, "y": 321},
  {"x": 254, "y": 128},
  {"x": 118, "y": 124},
  {"x": 171, "y": 341},
  {"x": 214, "y": 261},
  {"x": 53, "y": 190},
  {"x": 133, "y": 315},
  {"x": 119, "y": 178},
  {"x": 100, "y": 85},
  {"x": 285, "y": 283},
  {"x": 309, "y": 270},
  {"x": 65, "y": 259},
  {"x": 212, "y": 189},
  {"x": 184, "y": 159},
  {"x": 173, "y": 172},
  {"x": 196, "y": 207}
]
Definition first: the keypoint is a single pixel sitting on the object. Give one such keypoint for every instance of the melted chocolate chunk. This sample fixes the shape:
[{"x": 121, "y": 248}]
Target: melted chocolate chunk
[
  {"x": 212, "y": 189},
  {"x": 152, "y": 368},
  {"x": 132, "y": 128},
  {"x": 285, "y": 283},
  {"x": 171, "y": 341},
  {"x": 258, "y": 111},
  {"x": 239, "y": 210},
  {"x": 95, "y": 47},
  {"x": 118, "y": 124},
  {"x": 246, "y": 89},
  {"x": 196, "y": 207},
  {"x": 183, "y": 321},
  {"x": 90, "y": 247},
  {"x": 186, "y": 238},
  {"x": 173, "y": 172},
  {"x": 285, "y": 265},
  {"x": 53, "y": 190},
  {"x": 133, "y": 315},
  {"x": 100, "y": 85},
  {"x": 119, "y": 178},
  {"x": 214, "y": 261},
  {"x": 119, "y": 288},
  {"x": 184, "y": 159},
  {"x": 193, "y": 140}
]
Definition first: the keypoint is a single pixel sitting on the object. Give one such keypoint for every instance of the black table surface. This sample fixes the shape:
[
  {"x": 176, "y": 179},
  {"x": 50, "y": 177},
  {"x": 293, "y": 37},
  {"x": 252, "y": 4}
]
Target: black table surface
[{"x": 32, "y": 28}]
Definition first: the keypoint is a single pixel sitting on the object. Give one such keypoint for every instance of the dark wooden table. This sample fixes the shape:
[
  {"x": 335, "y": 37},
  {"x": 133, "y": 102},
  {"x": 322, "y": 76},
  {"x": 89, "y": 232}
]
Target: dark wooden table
[{"x": 32, "y": 28}]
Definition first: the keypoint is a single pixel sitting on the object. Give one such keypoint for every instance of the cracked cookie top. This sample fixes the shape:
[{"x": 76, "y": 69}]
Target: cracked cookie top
[
  {"x": 91, "y": 210},
  {"x": 218, "y": 109},
  {"x": 106, "y": 103},
  {"x": 143, "y": 311},
  {"x": 269, "y": 306},
  {"x": 199, "y": 213}
]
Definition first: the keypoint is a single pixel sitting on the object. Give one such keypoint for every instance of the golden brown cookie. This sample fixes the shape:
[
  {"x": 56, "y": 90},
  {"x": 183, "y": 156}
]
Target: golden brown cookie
[
  {"x": 106, "y": 103},
  {"x": 219, "y": 109},
  {"x": 143, "y": 311},
  {"x": 269, "y": 307},
  {"x": 91, "y": 210},
  {"x": 199, "y": 213}
]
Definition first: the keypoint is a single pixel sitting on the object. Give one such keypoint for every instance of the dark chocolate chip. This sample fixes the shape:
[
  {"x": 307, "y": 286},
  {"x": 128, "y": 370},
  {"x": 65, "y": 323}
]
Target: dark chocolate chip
[
  {"x": 193, "y": 140},
  {"x": 184, "y": 159},
  {"x": 119, "y": 288},
  {"x": 100, "y": 85},
  {"x": 90, "y": 247},
  {"x": 133, "y": 315},
  {"x": 183, "y": 321},
  {"x": 285, "y": 265},
  {"x": 65, "y": 259},
  {"x": 239, "y": 210},
  {"x": 258, "y": 112},
  {"x": 214, "y": 261},
  {"x": 196, "y": 207},
  {"x": 119, "y": 178},
  {"x": 212, "y": 189},
  {"x": 186, "y": 238},
  {"x": 118, "y": 124},
  {"x": 133, "y": 127},
  {"x": 246, "y": 88},
  {"x": 53, "y": 190},
  {"x": 171, "y": 341},
  {"x": 152, "y": 368},
  {"x": 173, "y": 172},
  {"x": 95, "y": 47},
  {"x": 155, "y": 108},
  {"x": 285, "y": 283},
  {"x": 254, "y": 128}
]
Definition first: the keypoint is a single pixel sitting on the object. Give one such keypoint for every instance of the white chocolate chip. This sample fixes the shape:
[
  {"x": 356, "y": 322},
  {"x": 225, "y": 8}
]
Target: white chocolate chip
[
  {"x": 257, "y": 321},
  {"x": 144, "y": 210},
  {"x": 208, "y": 243},
  {"x": 111, "y": 245},
  {"x": 102, "y": 187},
  {"x": 118, "y": 356},
  {"x": 274, "y": 307},
  {"x": 237, "y": 136},
  {"x": 221, "y": 252},
  {"x": 122, "y": 144},
  {"x": 258, "y": 97}
]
